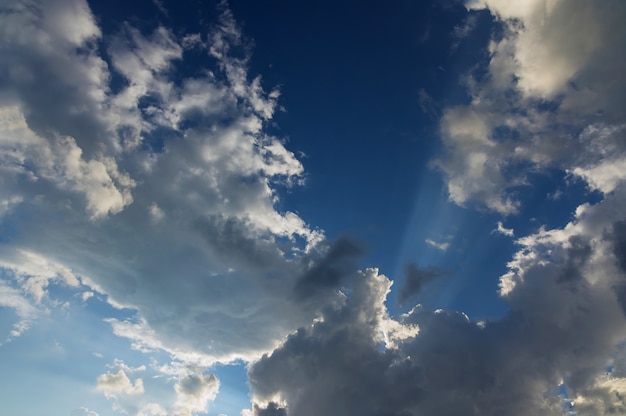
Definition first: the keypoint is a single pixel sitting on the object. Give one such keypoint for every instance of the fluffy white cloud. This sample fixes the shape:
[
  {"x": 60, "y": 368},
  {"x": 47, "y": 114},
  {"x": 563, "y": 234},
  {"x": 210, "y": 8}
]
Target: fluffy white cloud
[
  {"x": 127, "y": 394},
  {"x": 565, "y": 287},
  {"x": 567, "y": 300},
  {"x": 113, "y": 385},
  {"x": 35, "y": 272},
  {"x": 159, "y": 193},
  {"x": 12, "y": 298},
  {"x": 552, "y": 43},
  {"x": 552, "y": 93},
  {"x": 194, "y": 391},
  {"x": 501, "y": 229}
]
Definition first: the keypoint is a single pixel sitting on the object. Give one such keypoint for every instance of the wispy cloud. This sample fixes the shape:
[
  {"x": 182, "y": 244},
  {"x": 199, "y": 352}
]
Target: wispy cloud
[
  {"x": 206, "y": 193},
  {"x": 162, "y": 195},
  {"x": 440, "y": 246},
  {"x": 504, "y": 231}
]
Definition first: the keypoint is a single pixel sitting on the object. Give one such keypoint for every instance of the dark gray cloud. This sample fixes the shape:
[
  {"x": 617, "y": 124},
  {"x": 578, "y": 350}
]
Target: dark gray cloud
[
  {"x": 231, "y": 241},
  {"x": 579, "y": 252},
  {"x": 272, "y": 409},
  {"x": 619, "y": 238},
  {"x": 415, "y": 279},
  {"x": 336, "y": 263},
  {"x": 157, "y": 192},
  {"x": 564, "y": 325}
]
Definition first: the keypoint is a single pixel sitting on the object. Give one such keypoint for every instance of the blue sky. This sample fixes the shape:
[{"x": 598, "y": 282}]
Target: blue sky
[{"x": 290, "y": 208}]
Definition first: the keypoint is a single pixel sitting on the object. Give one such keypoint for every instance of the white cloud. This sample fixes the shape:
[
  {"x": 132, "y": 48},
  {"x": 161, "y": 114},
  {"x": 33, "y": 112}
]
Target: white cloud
[
  {"x": 113, "y": 385},
  {"x": 83, "y": 411},
  {"x": 128, "y": 395},
  {"x": 565, "y": 287},
  {"x": 170, "y": 209},
  {"x": 152, "y": 409},
  {"x": 472, "y": 160},
  {"x": 558, "y": 53},
  {"x": 551, "y": 43},
  {"x": 604, "y": 396},
  {"x": 86, "y": 295},
  {"x": 167, "y": 208},
  {"x": 594, "y": 224},
  {"x": 504, "y": 231},
  {"x": 567, "y": 301},
  {"x": 440, "y": 246},
  {"x": 34, "y": 273},
  {"x": 26, "y": 313},
  {"x": 194, "y": 391}
]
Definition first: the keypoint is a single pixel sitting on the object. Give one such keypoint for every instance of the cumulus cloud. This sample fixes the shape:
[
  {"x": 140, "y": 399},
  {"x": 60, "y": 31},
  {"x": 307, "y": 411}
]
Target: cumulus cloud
[
  {"x": 116, "y": 384},
  {"x": 566, "y": 321},
  {"x": 565, "y": 286},
  {"x": 552, "y": 93},
  {"x": 415, "y": 279},
  {"x": 337, "y": 260},
  {"x": 160, "y": 192},
  {"x": 501, "y": 229},
  {"x": 194, "y": 391},
  {"x": 12, "y": 298}
]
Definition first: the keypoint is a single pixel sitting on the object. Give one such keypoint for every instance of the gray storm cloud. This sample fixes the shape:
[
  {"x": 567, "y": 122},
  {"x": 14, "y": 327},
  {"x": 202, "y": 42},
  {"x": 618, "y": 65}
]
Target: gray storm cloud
[
  {"x": 559, "y": 348},
  {"x": 160, "y": 194}
]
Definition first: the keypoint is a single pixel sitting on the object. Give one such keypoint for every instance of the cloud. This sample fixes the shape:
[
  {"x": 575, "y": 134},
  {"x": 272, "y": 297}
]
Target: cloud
[
  {"x": 194, "y": 391},
  {"x": 416, "y": 278},
  {"x": 131, "y": 396},
  {"x": 12, "y": 298},
  {"x": 463, "y": 30},
  {"x": 565, "y": 286},
  {"x": 440, "y": 246},
  {"x": 34, "y": 273},
  {"x": 556, "y": 43},
  {"x": 161, "y": 193},
  {"x": 116, "y": 384},
  {"x": 504, "y": 231},
  {"x": 565, "y": 322},
  {"x": 272, "y": 409},
  {"x": 552, "y": 98},
  {"x": 83, "y": 411},
  {"x": 327, "y": 272},
  {"x": 156, "y": 191}
]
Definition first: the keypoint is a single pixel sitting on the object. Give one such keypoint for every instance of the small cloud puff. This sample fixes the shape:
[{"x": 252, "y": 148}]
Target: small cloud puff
[{"x": 439, "y": 246}]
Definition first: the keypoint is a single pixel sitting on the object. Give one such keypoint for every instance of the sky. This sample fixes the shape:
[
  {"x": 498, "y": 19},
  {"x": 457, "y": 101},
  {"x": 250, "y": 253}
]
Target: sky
[{"x": 299, "y": 208}]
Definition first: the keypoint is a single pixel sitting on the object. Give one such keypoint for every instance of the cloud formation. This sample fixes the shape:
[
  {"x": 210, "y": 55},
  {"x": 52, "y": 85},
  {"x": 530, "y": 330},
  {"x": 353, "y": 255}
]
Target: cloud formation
[
  {"x": 125, "y": 177},
  {"x": 566, "y": 321},
  {"x": 415, "y": 279},
  {"x": 194, "y": 392},
  {"x": 157, "y": 191},
  {"x": 565, "y": 288},
  {"x": 551, "y": 96}
]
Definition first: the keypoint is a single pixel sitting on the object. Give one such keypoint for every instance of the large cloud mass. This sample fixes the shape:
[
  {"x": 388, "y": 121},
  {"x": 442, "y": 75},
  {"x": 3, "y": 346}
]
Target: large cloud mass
[
  {"x": 552, "y": 97},
  {"x": 124, "y": 174},
  {"x": 156, "y": 190},
  {"x": 565, "y": 325}
]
